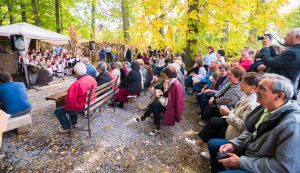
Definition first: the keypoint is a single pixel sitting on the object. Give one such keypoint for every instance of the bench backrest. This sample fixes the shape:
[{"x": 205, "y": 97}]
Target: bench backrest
[{"x": 99, "y": 95}]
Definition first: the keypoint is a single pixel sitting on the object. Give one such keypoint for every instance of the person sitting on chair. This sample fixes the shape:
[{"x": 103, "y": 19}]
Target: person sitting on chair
[
  {"x": 132, "y": 85},
  {"x": 13, "y": 97},
  {"x": 103, "y": 76},
  {"x": 75, "y": 100},
  {"x": 170, "y": 101}
]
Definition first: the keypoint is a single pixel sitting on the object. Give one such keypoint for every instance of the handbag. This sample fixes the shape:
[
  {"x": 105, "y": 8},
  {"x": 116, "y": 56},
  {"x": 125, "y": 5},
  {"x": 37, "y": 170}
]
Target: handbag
[{"x": 163, "y": 100}]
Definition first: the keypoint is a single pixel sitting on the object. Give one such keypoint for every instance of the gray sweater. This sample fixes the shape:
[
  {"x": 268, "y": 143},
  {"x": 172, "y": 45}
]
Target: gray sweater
[{"x": 276, "y": 146}]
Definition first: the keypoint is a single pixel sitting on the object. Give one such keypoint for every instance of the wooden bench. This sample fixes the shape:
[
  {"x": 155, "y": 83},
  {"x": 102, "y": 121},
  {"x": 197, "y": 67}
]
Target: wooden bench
[
  {"x": 95, "y": 98},
  {"x": 58, "y": 98},
  {"x": 21, "y": 123}
]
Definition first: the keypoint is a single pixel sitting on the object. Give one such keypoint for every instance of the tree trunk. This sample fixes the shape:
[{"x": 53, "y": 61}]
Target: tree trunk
[
  {"x": 192, "y": 31},
  {"x": 93, "y": 12},
  {"x": 10, "y": 12},
  {"x": 35, "y": 13},
  {"x": 225, "y": 30},
  {"x": 162, "y": 32},
  {"x": 125, "y": 16},
  {"x": 61, "y": 20},
  {"x": 57, "y": 16},
  {"x": 23, "y": 11}
]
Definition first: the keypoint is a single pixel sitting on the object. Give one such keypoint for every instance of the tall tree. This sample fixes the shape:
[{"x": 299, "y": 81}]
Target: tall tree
[
  {"x": 57, "y": 9},
  {"x": 10, "y": 11},
  {"x": 125, "y": 17},
  {"x": 23, "y": 11},
  {"x": 193, "y": 30},
  {"x": 35, "y": 13},
  {"x": 93, "y": 20}
]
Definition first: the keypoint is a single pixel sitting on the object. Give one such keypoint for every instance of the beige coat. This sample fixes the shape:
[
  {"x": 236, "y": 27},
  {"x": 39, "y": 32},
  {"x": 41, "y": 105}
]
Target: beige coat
[{"x": 236, "y": 117}]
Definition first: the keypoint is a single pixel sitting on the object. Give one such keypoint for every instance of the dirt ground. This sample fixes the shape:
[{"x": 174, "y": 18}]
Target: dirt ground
[{"x": 117, "y": 143}]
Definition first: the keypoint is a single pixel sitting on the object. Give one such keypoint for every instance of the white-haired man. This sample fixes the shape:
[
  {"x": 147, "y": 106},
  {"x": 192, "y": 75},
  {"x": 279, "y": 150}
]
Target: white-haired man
[
  {"x": 75, "y": 100},
  {"x": 287, "y": 63},
  {"x": 270, "y": 142}
]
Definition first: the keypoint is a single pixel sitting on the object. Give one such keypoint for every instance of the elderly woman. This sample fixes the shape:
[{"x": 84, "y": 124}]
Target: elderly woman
[
  {"x": 208, "y": 92},
  {"x": 75, "y": 100},
  {"x": 170, "y": 101},
  {"x": 180, "y": 75},
  {"x": 122, "y": 71},
  {"x": 103, "y": 76},
  {"x": 229, "y": 95},
  {"x": 231, "y": 122},
  {"x": 132, "y": 85},
  {"x": 144, "y": 72},
  {"x": 115, "y": 71}
]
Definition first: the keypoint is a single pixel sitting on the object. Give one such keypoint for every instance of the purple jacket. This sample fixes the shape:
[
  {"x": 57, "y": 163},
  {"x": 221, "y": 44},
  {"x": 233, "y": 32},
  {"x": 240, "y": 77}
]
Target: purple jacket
[{"x": 174, "y": 107}]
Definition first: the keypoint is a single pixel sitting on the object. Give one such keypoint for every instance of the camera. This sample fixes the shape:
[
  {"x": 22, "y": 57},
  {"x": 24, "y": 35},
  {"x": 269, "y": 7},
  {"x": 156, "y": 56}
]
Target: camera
[
  {"x": 264, "y": 36},
  {"x": 260, "y": 38}
]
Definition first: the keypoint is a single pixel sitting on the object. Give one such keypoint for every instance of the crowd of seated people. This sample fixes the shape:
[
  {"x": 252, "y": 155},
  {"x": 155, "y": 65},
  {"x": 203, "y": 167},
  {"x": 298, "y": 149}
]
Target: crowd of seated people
[
  {"x": 250, "y": 120},
  {"x": 248, "y": 110}
]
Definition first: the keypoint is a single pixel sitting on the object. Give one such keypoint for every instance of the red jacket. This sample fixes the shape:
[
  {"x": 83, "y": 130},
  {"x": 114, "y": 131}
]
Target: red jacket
[
  {"x": 174, "y": 107},
  {"x": 246, "y": 62},
  {"x": 75, "y": 100}
]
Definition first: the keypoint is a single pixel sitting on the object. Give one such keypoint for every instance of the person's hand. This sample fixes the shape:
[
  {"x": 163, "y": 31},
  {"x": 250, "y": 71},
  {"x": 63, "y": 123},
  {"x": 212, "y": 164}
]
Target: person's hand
[
  {"x": 224, "y": 110},
  {"x": 211, "y": 101},
  {"x": 196, "y": 82},
  {"x": 261, "y": 67},
  {"x": 227, "y": 148},
  {"x": 232, "y": 162},
  {"x": 234, "y": 64},
  {"x": 158, "y": 93},
  {"x": 207, "y": 91},
  {"x": 152, "y": 90}
]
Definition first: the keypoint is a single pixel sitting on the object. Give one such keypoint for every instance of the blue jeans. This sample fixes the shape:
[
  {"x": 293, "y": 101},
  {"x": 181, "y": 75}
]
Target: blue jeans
[
  {"x": 189, "y": 82},
  {"x": 63, "y": 119},
  {"x": 213, "y": 147}
]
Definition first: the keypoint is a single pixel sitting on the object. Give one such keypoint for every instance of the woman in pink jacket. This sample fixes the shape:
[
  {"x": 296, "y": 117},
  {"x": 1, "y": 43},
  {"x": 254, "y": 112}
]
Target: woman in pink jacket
[{"x": 170, "y": 101}]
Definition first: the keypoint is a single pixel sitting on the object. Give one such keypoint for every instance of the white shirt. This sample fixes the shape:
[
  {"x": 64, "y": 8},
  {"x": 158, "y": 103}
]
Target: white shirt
[{"x": 116, "y": 72}]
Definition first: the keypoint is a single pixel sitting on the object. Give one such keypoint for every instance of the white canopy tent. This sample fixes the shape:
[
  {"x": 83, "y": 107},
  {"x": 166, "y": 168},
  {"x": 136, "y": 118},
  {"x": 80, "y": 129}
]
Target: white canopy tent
[{"x": 33, "y": 32}]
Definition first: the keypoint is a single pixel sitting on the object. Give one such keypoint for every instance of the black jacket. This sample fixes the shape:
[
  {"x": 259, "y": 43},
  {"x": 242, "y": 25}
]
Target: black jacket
[
  {"x": 103, "y": 78},
  {"x": 133, "y": 81},
  {"x": 286, "y": 64}
]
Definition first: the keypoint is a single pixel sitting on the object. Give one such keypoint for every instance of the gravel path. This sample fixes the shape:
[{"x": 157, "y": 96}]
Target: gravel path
[{"x": 117, "y": 144}]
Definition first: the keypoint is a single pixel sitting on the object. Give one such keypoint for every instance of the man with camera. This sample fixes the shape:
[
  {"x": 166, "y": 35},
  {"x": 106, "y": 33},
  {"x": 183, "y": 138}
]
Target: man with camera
[
  {"x": 271, "y": 137},
  {"x": 258, "y": 65},
  {"x": 286, "y": 63}
]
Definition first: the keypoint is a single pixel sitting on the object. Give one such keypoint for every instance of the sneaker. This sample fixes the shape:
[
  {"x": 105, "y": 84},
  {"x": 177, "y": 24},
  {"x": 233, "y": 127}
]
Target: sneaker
[
  {"x": 111, "y": 104},
  {"x": 188, "y": 93},
  {"x": 202, "y": 123},
  {"x": 205, "y": 155},
  {"x": 153, "y": 132},
  {"x": 120, "y": 105},
  {"x": 139, "y": 120},
  {"x": 63, "y": 130},
  {"x": 192, "y": 143},
  {"x": 75, "y": 125}
]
